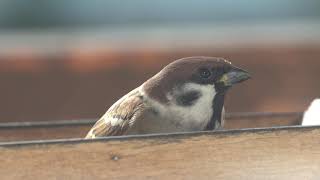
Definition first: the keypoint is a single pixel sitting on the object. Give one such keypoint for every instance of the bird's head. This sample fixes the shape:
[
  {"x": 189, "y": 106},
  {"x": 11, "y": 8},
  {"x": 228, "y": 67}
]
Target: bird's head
[{"x": 185, "y": 81}]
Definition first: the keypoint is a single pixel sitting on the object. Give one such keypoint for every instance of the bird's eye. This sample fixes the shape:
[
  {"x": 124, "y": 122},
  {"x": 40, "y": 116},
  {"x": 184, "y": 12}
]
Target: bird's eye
[{"x": 205, "y": 73}]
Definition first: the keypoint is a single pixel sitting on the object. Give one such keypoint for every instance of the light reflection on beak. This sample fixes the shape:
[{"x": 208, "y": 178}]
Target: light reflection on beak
[{"x": 236, "y": 75}]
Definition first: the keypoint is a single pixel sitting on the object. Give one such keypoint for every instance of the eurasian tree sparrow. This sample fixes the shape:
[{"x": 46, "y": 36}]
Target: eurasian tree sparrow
[{"x": 186, "y": 95}]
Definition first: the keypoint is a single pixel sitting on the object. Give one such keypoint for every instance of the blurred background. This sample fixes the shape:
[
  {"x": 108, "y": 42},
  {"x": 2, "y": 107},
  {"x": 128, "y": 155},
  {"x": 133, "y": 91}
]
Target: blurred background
[{"x": 73, "y": 59}]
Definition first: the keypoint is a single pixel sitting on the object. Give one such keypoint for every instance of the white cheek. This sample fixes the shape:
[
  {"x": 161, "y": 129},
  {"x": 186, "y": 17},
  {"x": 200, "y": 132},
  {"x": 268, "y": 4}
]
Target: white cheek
[
  {"x": 194, "y": 117},
  {"x": 202, "y": 109},
  {"x": 198, "y": 114}
]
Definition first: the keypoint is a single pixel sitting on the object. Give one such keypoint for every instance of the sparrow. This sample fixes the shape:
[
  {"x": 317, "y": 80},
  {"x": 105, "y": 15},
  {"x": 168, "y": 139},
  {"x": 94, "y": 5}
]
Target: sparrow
[{"x": 186, "y": 95}]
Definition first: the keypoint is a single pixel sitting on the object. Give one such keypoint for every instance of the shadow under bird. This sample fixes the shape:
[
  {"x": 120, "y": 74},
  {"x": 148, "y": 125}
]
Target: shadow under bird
[{"x": 186, "y": 95}]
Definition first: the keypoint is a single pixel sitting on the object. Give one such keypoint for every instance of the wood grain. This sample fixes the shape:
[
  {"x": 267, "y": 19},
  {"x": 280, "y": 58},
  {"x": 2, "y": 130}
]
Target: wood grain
[{"x": 276, "y": 153}]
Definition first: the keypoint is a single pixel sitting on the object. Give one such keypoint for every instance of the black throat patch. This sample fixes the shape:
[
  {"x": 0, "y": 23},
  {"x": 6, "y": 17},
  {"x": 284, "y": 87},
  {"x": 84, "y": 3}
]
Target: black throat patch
[{"x": 217, "y": 107}]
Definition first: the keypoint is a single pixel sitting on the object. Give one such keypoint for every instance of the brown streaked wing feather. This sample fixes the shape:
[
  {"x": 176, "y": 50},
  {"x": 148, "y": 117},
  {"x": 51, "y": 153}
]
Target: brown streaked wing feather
[{"x": 127, "y": 110}]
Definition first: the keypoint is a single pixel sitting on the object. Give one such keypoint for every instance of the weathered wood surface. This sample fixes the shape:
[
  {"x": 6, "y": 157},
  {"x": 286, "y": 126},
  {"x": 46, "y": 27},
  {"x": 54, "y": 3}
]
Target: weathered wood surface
[
  {"x": 77, "y": 129},
  {"x": 277, "y": 153}
]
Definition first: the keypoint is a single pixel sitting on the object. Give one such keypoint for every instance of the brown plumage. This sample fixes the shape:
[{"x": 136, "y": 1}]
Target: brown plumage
[
  {"x": 187, "y": 95},
  {"x": 128, "y": 109}
]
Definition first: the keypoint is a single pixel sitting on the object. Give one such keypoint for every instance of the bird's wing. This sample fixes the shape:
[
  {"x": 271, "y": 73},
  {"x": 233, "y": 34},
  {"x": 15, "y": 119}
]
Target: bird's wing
[{"x": 120, "y": 117}]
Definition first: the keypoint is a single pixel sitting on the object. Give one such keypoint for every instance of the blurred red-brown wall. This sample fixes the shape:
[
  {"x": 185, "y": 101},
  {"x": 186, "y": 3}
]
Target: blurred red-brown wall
[{"x": 84, "y": 83}]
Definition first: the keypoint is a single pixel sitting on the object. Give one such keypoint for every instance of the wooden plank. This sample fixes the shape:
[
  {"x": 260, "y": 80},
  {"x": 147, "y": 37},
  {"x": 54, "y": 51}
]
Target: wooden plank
[
  {"x": 274, "y": 153},
  {"x": 78, "y": 128}
]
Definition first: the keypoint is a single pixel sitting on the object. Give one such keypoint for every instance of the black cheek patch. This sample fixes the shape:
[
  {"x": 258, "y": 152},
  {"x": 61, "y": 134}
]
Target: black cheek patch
[{"x": 188, "y": 98}]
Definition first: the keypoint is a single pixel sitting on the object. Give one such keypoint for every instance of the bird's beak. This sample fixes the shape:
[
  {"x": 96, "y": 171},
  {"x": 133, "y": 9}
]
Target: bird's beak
[{"x": 235, "y": 75}]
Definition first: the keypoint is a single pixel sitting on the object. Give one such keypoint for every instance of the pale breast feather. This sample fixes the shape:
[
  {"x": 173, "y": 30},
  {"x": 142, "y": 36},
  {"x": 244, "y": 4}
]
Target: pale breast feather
[{"x": 120, "y": 116}]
